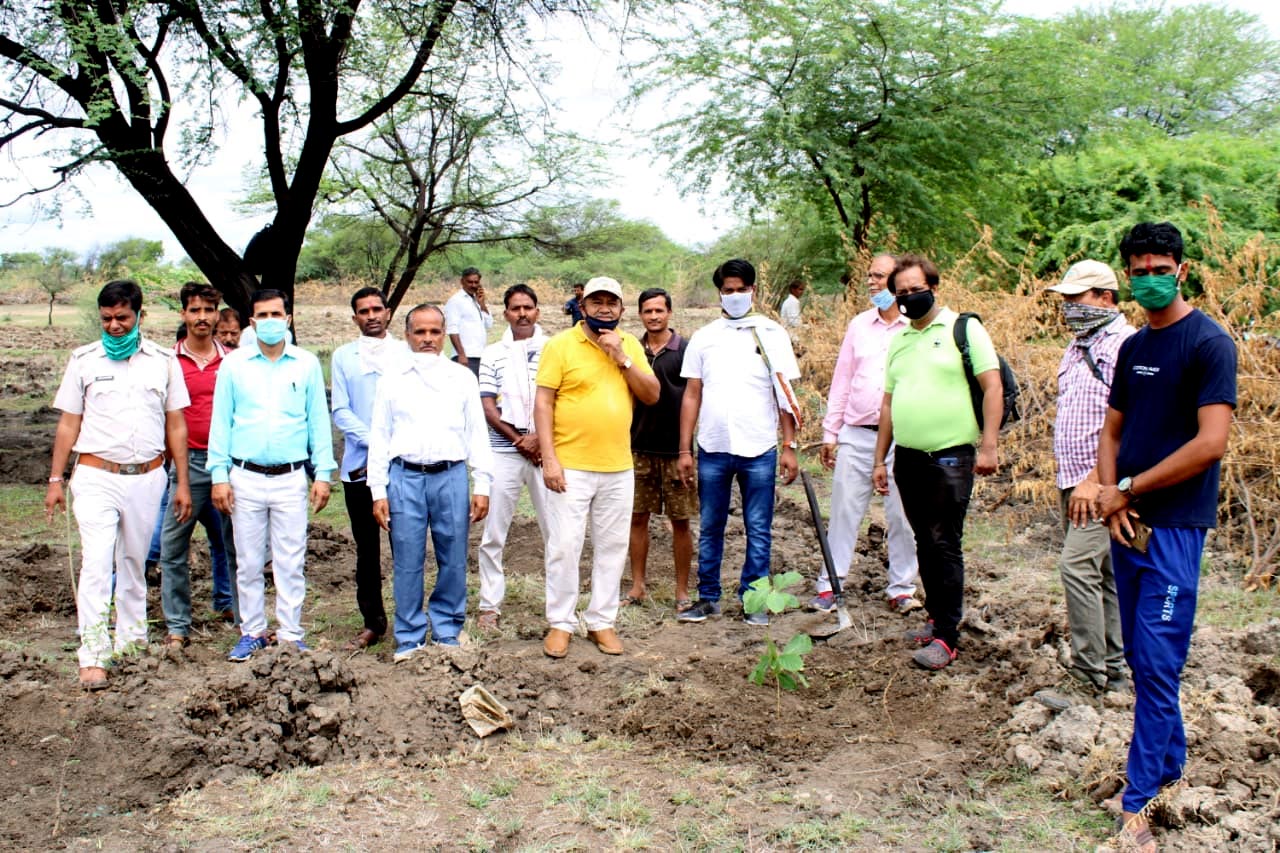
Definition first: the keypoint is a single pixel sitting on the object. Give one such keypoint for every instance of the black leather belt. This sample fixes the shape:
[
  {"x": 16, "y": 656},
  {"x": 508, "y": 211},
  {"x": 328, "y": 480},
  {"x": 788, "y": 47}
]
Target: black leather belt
[
  {"x": 269, "y": 470},
  {"x": 872, "y": 427},
  {"x": 429, "y": 468}
]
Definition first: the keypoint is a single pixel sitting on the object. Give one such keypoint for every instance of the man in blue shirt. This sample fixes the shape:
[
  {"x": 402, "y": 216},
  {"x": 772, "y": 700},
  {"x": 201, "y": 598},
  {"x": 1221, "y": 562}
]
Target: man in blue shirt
[
  {"x": 355, "y": 370},
  {"x": 1166, "y": 429},
  {"x": 269, "y": 410}
]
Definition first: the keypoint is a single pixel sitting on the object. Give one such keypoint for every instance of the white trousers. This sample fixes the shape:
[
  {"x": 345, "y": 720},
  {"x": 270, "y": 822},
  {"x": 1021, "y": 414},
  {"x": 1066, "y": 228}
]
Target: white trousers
[
  {"x": 511, "y": 472},
  {"x": 116, "y": 514},
  {"x": 604, "y": 501},
  {"x": 274, "y": 507},
  {"x": 851, "y": 492}
]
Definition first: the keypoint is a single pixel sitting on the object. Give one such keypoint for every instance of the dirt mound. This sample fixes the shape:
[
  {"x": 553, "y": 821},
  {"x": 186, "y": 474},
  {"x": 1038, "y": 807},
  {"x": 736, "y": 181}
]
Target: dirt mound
[
  {"x": 283, "y": 710},
  {"x": 35, "y": 579},
  {"x": 26, "y": 441}
]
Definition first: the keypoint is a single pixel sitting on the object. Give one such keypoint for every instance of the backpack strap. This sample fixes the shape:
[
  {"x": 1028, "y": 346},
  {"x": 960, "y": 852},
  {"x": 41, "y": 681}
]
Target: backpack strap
[
  {"x": 1093, "y": 366},
  {"x": 960, "y": 332}
]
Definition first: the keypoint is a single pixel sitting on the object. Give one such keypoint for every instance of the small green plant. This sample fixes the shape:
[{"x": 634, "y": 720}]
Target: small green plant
[{"x": 783, "y": 667}]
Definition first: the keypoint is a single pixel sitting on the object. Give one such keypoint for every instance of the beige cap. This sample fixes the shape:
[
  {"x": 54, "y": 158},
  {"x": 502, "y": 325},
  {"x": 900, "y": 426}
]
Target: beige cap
[
  {"x": 1085, "y": 276},
  {"x": 602, "y": 284}
]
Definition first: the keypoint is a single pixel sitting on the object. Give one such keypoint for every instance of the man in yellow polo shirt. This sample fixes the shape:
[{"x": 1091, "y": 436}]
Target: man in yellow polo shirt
[
  {"x": 589, "y": 378},
  {"x": 928, "y": 411}
]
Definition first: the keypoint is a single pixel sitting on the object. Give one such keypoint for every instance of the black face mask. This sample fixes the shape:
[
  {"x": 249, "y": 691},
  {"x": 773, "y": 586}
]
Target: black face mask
[
  {"x": 599, "y": 326},
  {"x": 916, "y": 305}
]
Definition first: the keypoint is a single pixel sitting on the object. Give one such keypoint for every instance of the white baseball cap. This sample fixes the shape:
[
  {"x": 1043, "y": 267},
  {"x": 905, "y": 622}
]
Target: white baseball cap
[
  {"x": 602, "y": 284},
  {"x": 1085, "y": 276}
]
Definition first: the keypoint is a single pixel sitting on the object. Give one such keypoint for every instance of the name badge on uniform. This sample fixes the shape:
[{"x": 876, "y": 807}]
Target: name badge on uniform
[{"x": 103, "y": 378}]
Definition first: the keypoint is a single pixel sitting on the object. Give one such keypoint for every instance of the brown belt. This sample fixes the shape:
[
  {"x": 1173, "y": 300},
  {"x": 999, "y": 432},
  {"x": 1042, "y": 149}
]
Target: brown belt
[{"x": 120, "y": 467}]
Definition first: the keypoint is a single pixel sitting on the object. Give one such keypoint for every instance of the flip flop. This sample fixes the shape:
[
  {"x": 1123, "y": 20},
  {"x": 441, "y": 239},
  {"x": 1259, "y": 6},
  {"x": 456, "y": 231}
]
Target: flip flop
[
  {"x": 633, "y": 601},
  {"x": 683, "y": 604}
]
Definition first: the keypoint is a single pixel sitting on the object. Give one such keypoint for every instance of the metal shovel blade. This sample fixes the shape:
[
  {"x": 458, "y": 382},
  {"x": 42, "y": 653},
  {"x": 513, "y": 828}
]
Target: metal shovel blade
[{"x": 824, "y": 629}]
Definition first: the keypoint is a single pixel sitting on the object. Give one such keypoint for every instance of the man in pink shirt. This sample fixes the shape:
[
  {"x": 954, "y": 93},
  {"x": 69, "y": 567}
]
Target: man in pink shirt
[{"x": 849, "y": 443}]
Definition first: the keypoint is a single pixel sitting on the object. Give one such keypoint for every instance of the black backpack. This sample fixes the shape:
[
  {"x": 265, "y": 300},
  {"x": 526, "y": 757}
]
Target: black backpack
[{"x": 1007, "y": 377}]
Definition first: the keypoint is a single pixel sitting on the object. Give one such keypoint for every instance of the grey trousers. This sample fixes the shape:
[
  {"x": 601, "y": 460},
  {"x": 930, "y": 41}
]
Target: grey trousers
[{"x": 1097, "y": 651}]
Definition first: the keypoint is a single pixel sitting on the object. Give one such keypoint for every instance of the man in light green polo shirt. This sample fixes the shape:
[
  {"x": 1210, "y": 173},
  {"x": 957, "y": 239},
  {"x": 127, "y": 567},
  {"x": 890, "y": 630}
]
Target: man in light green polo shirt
[{"x": 928, "y": 412}]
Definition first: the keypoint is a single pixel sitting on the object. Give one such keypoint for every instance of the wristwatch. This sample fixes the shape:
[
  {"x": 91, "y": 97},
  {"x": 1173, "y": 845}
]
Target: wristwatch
[
  {"x": 626, "y": 365},
  {"x": 1125, "y": 487},
  {"x": 794, "y": 445}
]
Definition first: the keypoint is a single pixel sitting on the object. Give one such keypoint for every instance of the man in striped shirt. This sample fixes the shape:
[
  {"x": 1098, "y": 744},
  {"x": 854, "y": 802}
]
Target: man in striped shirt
[
  {"x": 508, "y": 370},
  {"x": 1089, "y": 292}
]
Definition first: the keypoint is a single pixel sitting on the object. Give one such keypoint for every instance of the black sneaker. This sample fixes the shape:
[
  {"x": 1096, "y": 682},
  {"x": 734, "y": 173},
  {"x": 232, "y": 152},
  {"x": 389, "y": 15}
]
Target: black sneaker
[{"x": 700, "y": 611}]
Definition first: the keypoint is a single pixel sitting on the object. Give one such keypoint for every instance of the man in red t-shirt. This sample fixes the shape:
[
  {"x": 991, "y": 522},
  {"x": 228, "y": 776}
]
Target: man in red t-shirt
[{"x": 200, "y": 356}]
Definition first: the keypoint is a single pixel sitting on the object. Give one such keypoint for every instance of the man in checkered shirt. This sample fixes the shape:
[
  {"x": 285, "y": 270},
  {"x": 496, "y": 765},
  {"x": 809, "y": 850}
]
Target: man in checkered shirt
[{"x": 1089, "y": 293}]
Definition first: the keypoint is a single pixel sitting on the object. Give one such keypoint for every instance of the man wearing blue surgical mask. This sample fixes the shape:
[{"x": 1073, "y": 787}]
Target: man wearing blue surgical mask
[
  {"x": 1159, "y": 463},
  {"x": 739, "y": 370},
  {"x": 849, "y": 432},
  {"x": 269, "y": 416}
]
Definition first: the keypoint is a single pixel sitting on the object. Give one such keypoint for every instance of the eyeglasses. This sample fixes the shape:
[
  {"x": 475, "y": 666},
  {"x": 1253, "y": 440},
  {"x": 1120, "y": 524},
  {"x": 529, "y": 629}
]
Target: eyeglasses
[{"x": 877, "y": 276}]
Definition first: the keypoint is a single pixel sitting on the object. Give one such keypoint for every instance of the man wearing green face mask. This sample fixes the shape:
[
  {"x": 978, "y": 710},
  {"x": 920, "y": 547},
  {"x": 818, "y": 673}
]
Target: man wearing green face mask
[
  {"x": 121, "y": 400},
  {"x": 1166, "y": 429}
]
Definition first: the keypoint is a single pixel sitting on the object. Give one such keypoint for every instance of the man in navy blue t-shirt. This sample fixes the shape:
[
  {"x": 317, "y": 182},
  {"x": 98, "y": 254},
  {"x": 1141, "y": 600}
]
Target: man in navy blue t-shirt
[{"x": 1159, "y": 455}]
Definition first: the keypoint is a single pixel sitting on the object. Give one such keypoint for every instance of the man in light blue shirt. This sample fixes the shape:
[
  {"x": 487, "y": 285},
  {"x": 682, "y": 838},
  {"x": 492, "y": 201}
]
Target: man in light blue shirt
[
  {"x": 269, "y": 416},
  {"x": 354, "y": 374}
]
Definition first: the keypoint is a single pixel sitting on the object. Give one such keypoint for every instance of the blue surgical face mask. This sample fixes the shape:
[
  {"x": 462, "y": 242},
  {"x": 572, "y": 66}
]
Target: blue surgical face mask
[
  {"x": 883, "y": 299},
  {"x": 736, "y": 305},
  {"x": 119, "y": 349},
  {"x": 271, "y": 331}
]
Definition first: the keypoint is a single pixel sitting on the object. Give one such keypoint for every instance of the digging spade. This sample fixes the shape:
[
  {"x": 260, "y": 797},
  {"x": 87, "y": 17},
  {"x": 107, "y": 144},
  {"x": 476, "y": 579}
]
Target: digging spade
[{"x": 842, "y": 615}]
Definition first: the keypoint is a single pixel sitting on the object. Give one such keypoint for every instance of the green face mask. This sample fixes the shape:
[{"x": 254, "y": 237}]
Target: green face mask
[
  {"x": 1154, "y": 292},
  {"x": 119, "y": 349}
]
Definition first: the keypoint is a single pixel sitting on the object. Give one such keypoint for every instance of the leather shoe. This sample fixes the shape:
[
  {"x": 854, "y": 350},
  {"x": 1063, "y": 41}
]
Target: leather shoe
[
  {"x": 176, "y": 641},
  {"x": 93, "y": 677},
  {"x": 228, "y": 616},
  {"x": 556, "y": 644},
  {"x": 606, "y": 640},
  {"x": 366, "y": 638}
]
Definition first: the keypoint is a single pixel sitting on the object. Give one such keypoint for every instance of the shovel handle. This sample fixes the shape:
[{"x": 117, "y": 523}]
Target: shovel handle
[{"x": 821, "y": 531}]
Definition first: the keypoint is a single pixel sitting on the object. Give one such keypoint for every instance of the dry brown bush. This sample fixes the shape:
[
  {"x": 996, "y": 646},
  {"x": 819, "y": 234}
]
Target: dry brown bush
[{"x": 1239, "y": 293}]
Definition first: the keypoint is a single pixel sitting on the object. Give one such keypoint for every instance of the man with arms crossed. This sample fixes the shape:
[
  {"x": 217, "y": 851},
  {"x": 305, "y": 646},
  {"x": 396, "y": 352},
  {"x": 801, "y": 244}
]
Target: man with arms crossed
[
  {"x": 851, "y": 424},
  {"x": 588, "y": 381},
  {"x": 354, "y": 373},
  {"x": 655, "y": 442},
  {"x": 121, "y": 400},
  {"x": 269, "y": 409},
  {"x": 1159, "y": 461},
  {"x": 508, "y": 387},
  {"x": 427, "y": 423}
]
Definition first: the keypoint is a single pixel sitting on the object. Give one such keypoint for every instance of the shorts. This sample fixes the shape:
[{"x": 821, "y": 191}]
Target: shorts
[{"x": 659, "y": 490}]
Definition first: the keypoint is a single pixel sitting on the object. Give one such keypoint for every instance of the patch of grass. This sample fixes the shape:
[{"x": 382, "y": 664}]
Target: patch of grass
[
  {"x": 319, "y": 795},
  {"x": 22, "y": 508},
  {"x": 840, "y": 834},
  {"x": 475, "y": 797},
  {"x": 1229, "y": 606}
]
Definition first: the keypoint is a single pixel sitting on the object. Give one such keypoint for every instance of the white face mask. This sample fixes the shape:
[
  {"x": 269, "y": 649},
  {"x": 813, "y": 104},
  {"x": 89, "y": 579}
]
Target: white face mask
[{"x": 736, "y": 304}]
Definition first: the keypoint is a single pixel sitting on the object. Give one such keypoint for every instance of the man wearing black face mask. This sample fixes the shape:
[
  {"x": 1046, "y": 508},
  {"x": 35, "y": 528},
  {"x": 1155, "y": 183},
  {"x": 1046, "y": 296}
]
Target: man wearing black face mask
[
  {"x": 589, "y": 378},
  {"x": 1089, "y": 292},
  {"x": 928, "y": 411}
]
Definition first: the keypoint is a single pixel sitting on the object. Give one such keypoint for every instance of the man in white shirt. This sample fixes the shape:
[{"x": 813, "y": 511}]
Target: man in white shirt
[
  {"x": 121, "y": 400},
  {"x": 467, "y": 320},
  {"x": 740, "y": 370},
  {"x": 508, "y": 386},
  {"x": 427, "y": 422},
  {"x": 790, "y": 311}
]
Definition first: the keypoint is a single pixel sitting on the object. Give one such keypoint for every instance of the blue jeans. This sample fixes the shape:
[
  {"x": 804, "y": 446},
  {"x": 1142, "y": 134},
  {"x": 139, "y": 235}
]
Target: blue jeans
[
  {"x": 1157, "y": 594},
  {"x": 755, "y": 476},
  {"x": 439, "y": 503},
  {"x": 175, "y": 546}
]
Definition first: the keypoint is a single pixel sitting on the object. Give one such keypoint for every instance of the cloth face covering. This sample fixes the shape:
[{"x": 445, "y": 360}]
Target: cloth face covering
[
  {"x": 599, "y": 326},
  {"x": 916, "y": 305},
  {"x": 1154, "y": 292},
  {"x": 735, "y": 304},
  {"x": 1084, "y": 319}
]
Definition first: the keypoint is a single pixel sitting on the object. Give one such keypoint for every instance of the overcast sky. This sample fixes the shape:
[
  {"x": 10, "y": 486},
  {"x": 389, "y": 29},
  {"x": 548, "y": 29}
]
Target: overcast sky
[{"x": 588, "y": 91}]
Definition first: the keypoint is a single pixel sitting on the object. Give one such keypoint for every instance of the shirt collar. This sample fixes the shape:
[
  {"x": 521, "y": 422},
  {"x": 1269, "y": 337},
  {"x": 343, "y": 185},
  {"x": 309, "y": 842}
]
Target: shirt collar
[
  {"x": 673, "y": 342},
  {"x": 290, "y": 351}
]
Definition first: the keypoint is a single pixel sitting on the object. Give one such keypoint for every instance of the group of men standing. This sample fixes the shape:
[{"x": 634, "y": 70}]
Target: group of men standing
[{"x": 603, "y": 430}]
